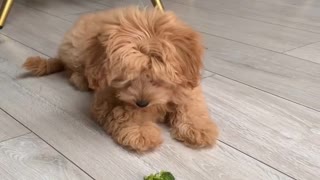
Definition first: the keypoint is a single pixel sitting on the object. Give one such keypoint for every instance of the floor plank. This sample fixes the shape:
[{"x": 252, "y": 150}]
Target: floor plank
[
  {"x": 28, "y": 157},
  {"x": 12, "y": 51},
  {"x": 9, "y": 127},
  {"x": 264, "y": 35},
  {"x": 61, "y": 8},
  {"x": 310, "y": 52},
  {"x": 260, "y": 34},
  {"x": 291, "y": 78},
  {"x": 36, "y": 29},
  {"x": 121, "y": 3},
  {"x": 302, "y": 15},
  {"x": 281, "y": 134}
]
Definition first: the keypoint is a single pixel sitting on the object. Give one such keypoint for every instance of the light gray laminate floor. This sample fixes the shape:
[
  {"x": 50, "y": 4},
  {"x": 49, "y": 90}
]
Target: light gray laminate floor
[{"x": 261, "y": 82}]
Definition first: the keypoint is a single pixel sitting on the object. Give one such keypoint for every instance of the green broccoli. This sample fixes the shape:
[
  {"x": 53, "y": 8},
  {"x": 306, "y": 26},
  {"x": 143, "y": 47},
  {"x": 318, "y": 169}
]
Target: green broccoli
[{"x": 162, "y": 175}]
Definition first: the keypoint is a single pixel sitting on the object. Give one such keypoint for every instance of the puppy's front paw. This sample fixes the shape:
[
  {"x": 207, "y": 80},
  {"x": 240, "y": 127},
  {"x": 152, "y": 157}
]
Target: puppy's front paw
[
  {"x": 79, "y": 81},
  {"x": 195, "y": 137},
  {"x": 139, "y": 138}
]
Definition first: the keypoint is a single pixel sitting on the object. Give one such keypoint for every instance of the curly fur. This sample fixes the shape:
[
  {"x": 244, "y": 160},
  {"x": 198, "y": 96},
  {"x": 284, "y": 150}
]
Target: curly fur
[{"x": 131, "y": 55}]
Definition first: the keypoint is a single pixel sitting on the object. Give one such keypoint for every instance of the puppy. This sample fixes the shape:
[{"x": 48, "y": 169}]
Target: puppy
[{"x": 144, "y": 67}]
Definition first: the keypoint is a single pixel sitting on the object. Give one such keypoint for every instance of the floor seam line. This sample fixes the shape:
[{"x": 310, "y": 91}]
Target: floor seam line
[
  {"x": 284, "y": 52},
  {"x": 14, "y": 137}
]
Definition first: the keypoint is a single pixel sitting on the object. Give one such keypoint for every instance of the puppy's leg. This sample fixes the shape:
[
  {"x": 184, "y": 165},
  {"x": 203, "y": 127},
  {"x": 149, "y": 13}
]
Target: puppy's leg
[
  {"x": 130, "y": 130},
  {"x": 79, "y": 81},
  {"x": 102, "y": 105},
  {"x": 191, "y": 123}
]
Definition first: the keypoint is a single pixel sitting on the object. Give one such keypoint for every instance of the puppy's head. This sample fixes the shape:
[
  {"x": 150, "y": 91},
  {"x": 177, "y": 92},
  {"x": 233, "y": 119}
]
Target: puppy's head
[{"x": 151, "y": 56}]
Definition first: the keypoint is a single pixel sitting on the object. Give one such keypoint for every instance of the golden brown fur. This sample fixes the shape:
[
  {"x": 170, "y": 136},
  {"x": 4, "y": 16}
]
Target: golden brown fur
[{"x": 130, "y": 58}]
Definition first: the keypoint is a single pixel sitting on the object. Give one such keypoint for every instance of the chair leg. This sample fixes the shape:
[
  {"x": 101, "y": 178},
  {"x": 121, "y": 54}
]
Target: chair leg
[
  {"x": 4, "y": 11},
  {"x": 158, "y": 4}
]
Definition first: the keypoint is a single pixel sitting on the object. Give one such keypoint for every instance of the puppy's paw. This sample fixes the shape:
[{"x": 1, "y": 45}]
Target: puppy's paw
[
  {"x": 195, "y": 137},
  {"x": 79, "y": 81},
  {"x": 140, "y": 138}
]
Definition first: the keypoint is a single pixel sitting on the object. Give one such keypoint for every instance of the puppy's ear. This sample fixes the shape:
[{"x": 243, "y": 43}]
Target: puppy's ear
[
  {"x": 98, "y": 64},
  {"x": 96, "y": 69},
  {"x": 189, "y": 51},
  {"x": 97, "y": 76}
]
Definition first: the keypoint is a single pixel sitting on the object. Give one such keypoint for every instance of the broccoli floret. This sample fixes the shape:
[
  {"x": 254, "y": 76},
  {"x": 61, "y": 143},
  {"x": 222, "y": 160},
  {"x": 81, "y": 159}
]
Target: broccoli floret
[{"x": 163, "y": 175}]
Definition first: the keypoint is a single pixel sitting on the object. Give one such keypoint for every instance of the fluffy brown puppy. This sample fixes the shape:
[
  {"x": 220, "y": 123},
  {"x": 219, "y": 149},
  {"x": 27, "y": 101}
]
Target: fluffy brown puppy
[{"x": 144, "y": 67}]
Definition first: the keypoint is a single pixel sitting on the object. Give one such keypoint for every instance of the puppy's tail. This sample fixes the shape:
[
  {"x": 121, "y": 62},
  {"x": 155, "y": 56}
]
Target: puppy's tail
[{"x": 40, "y": 66}]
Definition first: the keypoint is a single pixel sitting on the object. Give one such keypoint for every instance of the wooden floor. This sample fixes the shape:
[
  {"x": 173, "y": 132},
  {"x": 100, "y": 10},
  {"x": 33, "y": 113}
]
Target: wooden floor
[{"x": 262, "y": 84}]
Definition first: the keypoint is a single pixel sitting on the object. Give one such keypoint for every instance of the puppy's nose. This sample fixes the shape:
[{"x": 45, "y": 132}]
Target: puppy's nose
[{"x": 142, "y": 103}]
